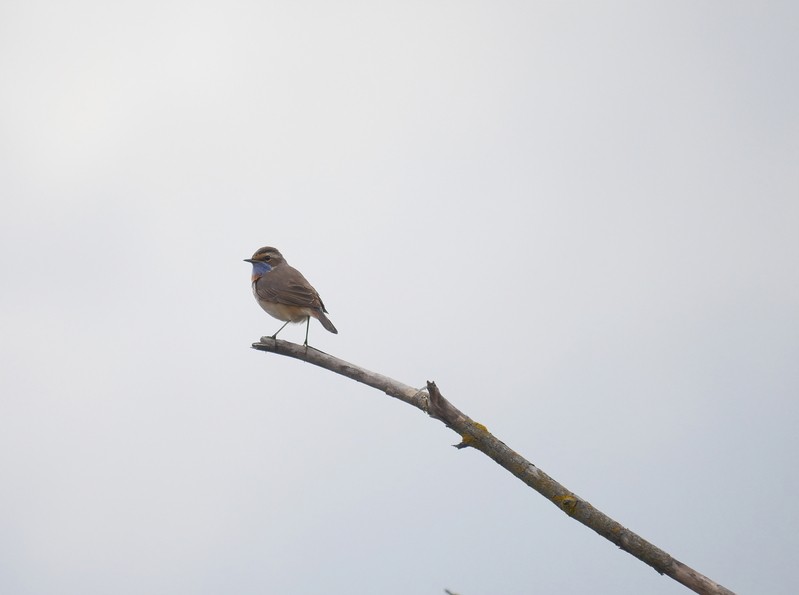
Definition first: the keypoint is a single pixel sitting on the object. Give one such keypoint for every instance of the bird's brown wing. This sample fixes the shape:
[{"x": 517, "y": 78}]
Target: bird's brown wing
[{"x": 286, "y": 285}]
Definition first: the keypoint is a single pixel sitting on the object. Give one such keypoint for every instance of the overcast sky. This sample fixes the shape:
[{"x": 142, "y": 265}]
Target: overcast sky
[{"x": 581, "y": 219}]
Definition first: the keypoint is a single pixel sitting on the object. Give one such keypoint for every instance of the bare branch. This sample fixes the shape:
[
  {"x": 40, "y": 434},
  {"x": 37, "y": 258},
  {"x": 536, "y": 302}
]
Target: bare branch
[{"x": 476, "y": 435}]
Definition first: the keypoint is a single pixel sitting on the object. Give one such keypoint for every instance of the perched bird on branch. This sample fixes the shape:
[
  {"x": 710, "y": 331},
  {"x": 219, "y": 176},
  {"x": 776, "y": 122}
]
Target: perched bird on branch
[{"x": 284, "y": 293}]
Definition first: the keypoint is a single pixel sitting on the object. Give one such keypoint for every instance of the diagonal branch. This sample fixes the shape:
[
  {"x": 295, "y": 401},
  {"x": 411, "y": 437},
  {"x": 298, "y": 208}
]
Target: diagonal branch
[{"x": 431, "y": 401}]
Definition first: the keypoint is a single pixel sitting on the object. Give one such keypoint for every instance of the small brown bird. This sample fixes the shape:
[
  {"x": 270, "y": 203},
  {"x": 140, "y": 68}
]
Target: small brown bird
[{"x": 284, "y": 293}]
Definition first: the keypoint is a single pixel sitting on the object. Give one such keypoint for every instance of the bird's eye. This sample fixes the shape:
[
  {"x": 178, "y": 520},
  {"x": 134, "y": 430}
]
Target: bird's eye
[{"x": 267, "y": 258}]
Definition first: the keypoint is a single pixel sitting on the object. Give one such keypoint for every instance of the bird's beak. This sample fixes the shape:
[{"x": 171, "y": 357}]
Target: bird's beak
[{"x": 250, "y": 260}]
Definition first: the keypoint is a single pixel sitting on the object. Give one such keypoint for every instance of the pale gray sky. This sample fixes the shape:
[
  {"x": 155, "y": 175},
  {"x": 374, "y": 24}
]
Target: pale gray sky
[{"x": 579, "y": 218}]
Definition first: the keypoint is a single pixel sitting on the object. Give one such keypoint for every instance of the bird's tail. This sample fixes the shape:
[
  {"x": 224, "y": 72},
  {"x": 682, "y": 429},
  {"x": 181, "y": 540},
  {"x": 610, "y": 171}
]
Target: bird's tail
[{"x": 320, "y": 316}]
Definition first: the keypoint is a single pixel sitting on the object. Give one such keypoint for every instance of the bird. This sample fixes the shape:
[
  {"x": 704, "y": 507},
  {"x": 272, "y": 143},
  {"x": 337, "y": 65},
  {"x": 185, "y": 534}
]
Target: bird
[{"x": 283, "y": 292}]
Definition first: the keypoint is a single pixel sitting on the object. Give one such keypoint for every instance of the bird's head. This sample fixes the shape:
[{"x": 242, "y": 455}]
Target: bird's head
[{"x": 264, "y": 260}]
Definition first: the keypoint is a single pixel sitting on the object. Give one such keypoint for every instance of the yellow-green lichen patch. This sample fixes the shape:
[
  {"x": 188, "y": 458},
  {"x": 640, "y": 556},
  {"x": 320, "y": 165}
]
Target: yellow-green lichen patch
[
  {"x": 480, "y": 427},
  {"x": 567, "y": 503},
  {"x": 467, "y": 440}
]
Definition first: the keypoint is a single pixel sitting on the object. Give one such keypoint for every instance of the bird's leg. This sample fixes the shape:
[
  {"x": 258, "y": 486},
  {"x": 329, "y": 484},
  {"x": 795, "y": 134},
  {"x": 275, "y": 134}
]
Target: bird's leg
[
  {"x": 280, "y": 329},
  {"x": 307, "y": 326}
]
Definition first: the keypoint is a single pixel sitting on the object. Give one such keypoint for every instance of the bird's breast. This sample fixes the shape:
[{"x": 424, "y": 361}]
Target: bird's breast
[{"x": 284, "y": 312}]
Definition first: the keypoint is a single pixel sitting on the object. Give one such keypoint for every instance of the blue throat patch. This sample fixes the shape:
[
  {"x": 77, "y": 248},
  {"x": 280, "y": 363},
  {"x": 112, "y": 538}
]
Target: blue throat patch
[{"x": 260, "y": 268}]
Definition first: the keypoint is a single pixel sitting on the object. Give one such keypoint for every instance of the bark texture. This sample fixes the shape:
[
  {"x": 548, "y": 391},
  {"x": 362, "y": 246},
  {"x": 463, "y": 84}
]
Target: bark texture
[{"x": 475, "y": 435}]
